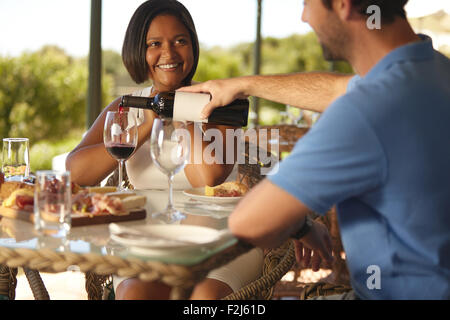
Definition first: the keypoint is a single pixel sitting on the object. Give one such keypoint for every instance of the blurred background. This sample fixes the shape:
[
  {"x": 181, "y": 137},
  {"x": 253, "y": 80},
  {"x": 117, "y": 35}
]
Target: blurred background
[{"x": 45, "y": 45}]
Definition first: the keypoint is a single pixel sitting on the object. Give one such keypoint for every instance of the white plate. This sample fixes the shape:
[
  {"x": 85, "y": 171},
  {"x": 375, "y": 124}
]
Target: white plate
[
  {"x": 167, "y": 239},
  {"x": 199, "y": 194}
]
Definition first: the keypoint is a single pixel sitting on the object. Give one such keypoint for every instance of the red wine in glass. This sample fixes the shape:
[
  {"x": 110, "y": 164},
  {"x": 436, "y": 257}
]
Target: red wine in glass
[
  {"x": 120, "y": 138},
  {"x": 120, "y": 151}
]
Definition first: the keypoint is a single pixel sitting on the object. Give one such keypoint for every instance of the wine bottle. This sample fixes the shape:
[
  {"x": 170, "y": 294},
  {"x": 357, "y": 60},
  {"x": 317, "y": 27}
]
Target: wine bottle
[{"x": 187, "y": 106}]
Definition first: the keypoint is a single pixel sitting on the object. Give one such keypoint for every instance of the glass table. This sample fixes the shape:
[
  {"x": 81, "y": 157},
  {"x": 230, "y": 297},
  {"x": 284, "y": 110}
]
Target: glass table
[{"x": 91, "y": 250}]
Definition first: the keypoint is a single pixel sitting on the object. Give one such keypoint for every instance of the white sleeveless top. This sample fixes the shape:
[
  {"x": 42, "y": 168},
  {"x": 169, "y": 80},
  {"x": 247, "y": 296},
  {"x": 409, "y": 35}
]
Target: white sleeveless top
[{"x": 143, "y": 173}]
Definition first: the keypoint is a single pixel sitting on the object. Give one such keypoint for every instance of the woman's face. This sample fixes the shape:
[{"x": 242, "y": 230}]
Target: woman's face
[{"x": 169, "y": 53}]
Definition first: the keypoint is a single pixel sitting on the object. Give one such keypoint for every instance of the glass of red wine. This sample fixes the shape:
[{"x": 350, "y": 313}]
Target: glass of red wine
[{"x": 120, "y": 135}]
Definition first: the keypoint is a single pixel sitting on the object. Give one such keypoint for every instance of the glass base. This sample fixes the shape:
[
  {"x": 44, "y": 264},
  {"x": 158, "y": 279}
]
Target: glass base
[{"x": 169, "y": 216}]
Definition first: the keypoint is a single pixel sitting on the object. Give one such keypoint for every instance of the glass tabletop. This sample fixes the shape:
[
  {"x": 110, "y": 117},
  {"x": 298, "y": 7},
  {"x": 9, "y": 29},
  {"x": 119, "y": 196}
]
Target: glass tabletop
[{"x": 96, "y": 238}]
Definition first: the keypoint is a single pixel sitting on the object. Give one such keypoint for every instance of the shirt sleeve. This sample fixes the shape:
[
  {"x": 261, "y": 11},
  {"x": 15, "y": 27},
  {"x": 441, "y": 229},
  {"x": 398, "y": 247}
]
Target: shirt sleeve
[
  {"x": 353, "y": 82},
  {"x": 339, "y": 158}
]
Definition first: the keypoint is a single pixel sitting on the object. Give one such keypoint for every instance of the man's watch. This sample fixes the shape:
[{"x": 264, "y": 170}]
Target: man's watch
[{"x": 304, "y": 229}]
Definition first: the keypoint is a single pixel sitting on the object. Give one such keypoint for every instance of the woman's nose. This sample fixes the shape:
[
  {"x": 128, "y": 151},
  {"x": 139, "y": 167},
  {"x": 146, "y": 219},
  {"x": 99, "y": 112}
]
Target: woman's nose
[{"x": 168, "y": 51}]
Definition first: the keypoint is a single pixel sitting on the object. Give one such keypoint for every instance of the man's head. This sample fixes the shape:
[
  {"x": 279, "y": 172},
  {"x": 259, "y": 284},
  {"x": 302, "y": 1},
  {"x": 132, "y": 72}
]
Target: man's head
[
  {"x": 390, "y": 9},
  {"x": 329, "y": 20}
]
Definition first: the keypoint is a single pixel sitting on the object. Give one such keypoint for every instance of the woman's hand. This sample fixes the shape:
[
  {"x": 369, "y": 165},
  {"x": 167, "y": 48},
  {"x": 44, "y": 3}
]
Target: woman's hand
[{"x": 314, "y": 247}]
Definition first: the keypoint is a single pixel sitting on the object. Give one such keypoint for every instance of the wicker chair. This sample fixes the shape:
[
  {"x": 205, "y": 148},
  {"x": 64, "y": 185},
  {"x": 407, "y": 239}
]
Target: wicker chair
[
  {"x": 337, "y": 281},
  {"x": 8, "y": 283}
]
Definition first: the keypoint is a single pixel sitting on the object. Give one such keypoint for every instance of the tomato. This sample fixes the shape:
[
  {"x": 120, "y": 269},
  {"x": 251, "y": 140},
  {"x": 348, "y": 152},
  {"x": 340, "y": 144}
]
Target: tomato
[{"x": 23, "y": 200}]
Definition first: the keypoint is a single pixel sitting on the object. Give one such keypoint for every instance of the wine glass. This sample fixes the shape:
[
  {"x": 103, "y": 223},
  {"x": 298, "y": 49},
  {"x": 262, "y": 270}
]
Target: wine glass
[
  {"x": 169, "y": 149},
  {"x": 296, "y": 116},
  {"x": 120, "y": 138}
]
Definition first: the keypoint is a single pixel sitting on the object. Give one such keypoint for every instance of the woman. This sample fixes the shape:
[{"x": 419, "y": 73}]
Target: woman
[{"x": 161, "y": 45}]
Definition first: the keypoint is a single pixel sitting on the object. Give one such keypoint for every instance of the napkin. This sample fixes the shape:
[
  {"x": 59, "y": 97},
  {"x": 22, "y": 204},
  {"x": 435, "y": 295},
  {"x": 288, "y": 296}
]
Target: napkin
[
  {"x": 205, "y": 208},
  {"x": 179, "y": 236}
]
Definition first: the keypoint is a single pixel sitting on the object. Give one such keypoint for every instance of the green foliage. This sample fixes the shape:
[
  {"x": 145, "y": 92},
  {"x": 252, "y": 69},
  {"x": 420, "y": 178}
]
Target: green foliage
[
  {"x": 42, "y": 152},
  {"x": 43, "y": 95},
  {"x": 217, "y": 63}
]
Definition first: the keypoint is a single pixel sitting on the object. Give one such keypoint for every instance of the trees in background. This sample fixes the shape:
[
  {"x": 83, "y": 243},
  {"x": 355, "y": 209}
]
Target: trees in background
[
  {"x": 43, "y": 98},
  {"x": 43, "y": 93}
]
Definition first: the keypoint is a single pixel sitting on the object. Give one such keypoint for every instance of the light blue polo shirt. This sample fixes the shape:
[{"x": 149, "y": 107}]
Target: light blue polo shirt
[{"x": 381, "y": 152}]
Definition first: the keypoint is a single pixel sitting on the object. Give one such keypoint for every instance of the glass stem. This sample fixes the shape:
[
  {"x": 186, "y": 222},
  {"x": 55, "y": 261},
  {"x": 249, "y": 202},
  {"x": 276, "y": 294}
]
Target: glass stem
[
  {"x": 119, "y": 187},
  {"x": 170, "y": 204}
]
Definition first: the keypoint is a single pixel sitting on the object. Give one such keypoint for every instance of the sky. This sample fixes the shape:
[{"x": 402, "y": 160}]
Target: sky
[{"x": 27, "y": 25}]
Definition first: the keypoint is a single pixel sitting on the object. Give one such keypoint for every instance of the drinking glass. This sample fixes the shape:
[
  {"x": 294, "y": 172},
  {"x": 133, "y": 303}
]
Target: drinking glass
[
  {"x": 120, "y": 138},
  {"x": 312, "y": 117},
  {"x": 16, "y": 162},
  {"x": 294, "y": 114},
  {"x": 169, "y": 149},
  {"x": 52, "y": 202}
]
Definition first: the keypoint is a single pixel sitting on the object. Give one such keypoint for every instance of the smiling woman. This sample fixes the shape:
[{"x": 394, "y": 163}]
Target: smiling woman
[
  {"x": 159, "y": 41},
  {"x": 161, "y": 46}
]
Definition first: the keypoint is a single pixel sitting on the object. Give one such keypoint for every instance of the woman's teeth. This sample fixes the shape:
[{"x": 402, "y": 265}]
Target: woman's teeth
[{"x": 168, "y": 66}]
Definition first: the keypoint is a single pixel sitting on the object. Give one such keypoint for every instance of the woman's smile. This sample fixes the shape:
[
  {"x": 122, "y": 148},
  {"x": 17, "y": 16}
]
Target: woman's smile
[
  {"x": 169, "y": 53},
  {"x": 168, "y": 66}
]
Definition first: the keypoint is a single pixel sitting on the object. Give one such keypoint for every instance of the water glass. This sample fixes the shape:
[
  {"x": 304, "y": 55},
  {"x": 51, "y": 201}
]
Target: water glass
[
  {"x": 52, "y": 202},
  {"x": 16, "y": 160}
]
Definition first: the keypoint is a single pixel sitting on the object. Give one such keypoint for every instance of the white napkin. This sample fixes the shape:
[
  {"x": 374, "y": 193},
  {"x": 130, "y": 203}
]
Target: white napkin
[
  {"x": 146, "y": 236},
  {"x": 205, "y": 208}
]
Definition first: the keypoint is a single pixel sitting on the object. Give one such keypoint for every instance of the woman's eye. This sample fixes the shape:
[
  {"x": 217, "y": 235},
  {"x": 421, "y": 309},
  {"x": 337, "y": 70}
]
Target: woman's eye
[
  {"x": 153, "y": 44},
  {"x": 181, "y": 41}
]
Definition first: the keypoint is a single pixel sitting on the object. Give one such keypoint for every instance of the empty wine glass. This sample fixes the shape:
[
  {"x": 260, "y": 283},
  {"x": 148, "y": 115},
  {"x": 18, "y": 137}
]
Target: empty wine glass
[
  {"x": 169, "y": 149},
  {"x": 296, "y": 116},
  {"x": 120, "y": 138}
]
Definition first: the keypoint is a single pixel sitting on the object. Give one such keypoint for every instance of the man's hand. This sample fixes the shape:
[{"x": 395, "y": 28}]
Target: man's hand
[
  {"x": 318, "y": 243},
  {"x": 222, "y": 92}
]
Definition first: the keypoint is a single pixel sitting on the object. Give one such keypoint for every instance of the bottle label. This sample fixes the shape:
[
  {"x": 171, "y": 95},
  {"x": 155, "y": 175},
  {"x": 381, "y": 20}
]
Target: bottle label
[{"x": 188, "y": 106}]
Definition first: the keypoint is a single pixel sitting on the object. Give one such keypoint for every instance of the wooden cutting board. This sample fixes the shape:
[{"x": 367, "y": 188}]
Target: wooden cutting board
[{"x": 78, "y": 220}]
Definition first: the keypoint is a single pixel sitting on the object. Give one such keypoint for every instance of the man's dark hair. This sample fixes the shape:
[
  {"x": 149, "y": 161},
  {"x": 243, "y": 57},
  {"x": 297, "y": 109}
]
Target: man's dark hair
[
  {"x": 389, "y": 8},
  {"x": 135, "y": 45}
]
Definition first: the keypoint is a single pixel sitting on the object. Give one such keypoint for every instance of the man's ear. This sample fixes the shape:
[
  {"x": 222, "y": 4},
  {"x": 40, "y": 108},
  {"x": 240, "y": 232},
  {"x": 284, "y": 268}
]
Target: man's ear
[{"x": 343, "y": 8}]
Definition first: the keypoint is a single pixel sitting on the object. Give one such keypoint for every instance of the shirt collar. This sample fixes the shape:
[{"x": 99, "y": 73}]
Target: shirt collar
[{"x": 416, "y": 51}]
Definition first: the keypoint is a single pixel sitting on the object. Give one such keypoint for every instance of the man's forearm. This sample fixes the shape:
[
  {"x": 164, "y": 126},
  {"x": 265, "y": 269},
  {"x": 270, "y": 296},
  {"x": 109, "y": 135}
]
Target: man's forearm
[
  {"x": 267, "y": 216},
  {"x": 309, "y": 90}
]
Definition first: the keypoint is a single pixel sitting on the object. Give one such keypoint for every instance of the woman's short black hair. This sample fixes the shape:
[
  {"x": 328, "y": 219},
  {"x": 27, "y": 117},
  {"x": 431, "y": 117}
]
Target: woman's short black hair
[
  {"x": 134, "y": 45},
  {"x": 389, "y": 8}
]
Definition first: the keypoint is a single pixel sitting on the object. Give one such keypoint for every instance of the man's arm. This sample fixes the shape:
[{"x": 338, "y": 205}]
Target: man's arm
[
  {"x": 311, "y": 90},
  {"x": 268, "y": 216}
]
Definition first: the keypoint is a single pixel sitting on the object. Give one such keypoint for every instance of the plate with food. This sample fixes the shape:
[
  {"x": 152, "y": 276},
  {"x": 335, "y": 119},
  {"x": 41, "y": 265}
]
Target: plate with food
[
  {"x": 89, "y": 205},
  {"x": 227, "y": 192}
]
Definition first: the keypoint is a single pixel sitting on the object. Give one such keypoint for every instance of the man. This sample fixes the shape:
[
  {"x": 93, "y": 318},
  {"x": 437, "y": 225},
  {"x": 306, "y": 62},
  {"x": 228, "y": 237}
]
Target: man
[{"x": 380, "y": 152}]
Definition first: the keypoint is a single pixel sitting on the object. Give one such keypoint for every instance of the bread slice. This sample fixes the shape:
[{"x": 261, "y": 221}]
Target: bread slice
[
  {"x": 134, "y": 202},
  {"x": 120, "y": 195},
  {"x": 227, "y": 189},
  {"x": 101, "y": 189},
  {"x": 10, "y": 186}
]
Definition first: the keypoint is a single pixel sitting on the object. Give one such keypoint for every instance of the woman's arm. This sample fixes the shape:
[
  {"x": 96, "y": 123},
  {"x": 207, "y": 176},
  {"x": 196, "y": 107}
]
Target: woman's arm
[
  {"x": 89, "y": 163},
  {"x": 208, "y": 164}
]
